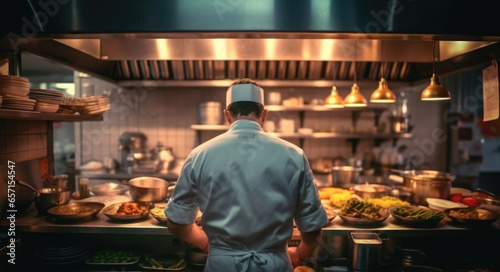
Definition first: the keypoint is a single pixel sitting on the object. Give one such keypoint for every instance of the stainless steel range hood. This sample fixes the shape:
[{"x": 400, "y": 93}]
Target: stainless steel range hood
[{"x": 282, "y": 42}]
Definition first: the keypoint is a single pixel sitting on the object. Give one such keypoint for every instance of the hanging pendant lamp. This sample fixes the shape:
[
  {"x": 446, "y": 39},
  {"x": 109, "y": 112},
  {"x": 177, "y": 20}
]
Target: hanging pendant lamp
[
  {"x": 334, "y": 100},
  {"x": 383, "y": 94},
  {"x": 355, "y": 98},
  {"x": 435, "y": 90}
]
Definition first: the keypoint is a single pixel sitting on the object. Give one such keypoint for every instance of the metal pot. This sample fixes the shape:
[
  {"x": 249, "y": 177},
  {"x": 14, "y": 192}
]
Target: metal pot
[
  {"x": 47, "y": 198},
  {"x": 344, "y": 175},
  {"x": 149, "y": 189},
  {"x": 425, "y": 184}
]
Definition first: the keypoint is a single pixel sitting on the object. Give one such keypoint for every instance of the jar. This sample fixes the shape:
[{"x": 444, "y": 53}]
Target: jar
[{"x": 83, "y": 187}]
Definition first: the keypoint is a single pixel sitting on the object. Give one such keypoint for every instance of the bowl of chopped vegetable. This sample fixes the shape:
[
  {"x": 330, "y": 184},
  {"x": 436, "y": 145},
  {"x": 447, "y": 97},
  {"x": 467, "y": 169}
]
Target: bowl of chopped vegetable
[
  {"x": 416, "y": 216},
  {"x": 158, "y": 212},
  {"x": 362, "y": 213}
]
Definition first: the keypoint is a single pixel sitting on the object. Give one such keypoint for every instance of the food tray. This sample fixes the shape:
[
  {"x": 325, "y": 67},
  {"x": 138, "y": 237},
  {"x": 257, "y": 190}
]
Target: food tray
[
  {"x": 113, "y": 257},
  {"x": 166, "y": 263},
  {"x": 417, "y": 222}
]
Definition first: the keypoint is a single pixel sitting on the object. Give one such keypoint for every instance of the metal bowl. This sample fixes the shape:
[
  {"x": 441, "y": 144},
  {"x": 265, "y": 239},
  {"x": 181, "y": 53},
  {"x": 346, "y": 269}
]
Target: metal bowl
[
  {"x": 371, "y": 190},
  {"x": 107, "y": 189},
  {"x": 345, "y": 175},
  {"x": 149, "y": 189}
]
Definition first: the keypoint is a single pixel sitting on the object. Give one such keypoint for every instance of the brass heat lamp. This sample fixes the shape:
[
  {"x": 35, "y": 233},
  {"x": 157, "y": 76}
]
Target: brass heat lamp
[
  {"x": 383, "y": 94},
  {"x": 334, "y": 100},
  {"x": 435, "y": 91},
  {"x": 355, "y": 98}
]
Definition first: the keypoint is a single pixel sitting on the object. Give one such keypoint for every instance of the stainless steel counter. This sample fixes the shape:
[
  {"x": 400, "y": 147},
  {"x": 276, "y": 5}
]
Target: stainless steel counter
[{"x": 32, "y": 222}]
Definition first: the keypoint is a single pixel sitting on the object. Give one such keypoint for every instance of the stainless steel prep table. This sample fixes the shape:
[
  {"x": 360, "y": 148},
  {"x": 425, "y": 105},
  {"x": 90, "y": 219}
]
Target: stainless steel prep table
[{"x": 32, "y": 222}]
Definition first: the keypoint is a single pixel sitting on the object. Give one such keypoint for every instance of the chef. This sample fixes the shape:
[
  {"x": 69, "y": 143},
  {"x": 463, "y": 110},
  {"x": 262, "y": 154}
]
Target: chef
[{"x": 250, "y": 187}]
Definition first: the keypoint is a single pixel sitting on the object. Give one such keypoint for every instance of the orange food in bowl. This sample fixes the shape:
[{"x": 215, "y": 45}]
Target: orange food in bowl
[
  {"x": 303, "y": 268},
  {"x": 327, "y": 192}
]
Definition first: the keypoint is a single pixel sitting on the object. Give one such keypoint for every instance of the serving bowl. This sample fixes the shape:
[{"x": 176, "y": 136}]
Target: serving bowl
[
  {"x": 158, "y": 212},
  {"x": 364, "y": 222},
  {"x": 149, "y": 189},
  {"x": 112, "y": 211},
  {"x": 76, "y": 210},
  {"x": 466, "y": 217},
  {"x": 417, "y": 216}
]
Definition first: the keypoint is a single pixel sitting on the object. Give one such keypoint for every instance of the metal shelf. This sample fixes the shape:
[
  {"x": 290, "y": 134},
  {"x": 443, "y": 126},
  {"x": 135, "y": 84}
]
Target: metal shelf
[
  {"x": 314, "y": 135},
  {"x": 35, "y": 115},
  {"x": 323, "y": 108}
]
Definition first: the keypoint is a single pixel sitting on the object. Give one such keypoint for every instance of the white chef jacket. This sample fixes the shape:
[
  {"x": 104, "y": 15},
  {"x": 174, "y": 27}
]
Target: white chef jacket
[{"x": 250, "y": 186}]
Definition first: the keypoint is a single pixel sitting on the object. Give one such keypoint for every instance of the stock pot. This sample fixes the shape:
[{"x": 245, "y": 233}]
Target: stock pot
[{"x": 425, "y": 184}]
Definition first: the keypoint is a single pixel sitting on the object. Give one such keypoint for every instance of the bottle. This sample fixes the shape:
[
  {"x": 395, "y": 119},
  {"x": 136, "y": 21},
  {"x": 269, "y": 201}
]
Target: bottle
[{"x": 83, "y": 187}]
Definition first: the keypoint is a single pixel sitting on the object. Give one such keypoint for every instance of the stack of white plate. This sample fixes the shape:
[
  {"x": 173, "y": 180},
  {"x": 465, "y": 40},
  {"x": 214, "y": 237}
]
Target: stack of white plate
[
  {"x": 14, "y": 86},
  {"x": 46, "y": 96},
  {"x": 94, "y": 105},
  {"x": 18, "y": 103}
]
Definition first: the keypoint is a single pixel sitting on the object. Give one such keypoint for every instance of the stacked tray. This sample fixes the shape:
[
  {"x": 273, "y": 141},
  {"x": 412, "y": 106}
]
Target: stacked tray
[
  {"x": 14, "y": 86},
  {"x": 46, "y": 96},
  {"x": 18, "y": 103}
]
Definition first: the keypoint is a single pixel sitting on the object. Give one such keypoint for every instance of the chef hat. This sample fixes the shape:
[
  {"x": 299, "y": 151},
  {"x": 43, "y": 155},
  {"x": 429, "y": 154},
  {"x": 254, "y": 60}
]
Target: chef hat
[{"x": 244, "y": 92}]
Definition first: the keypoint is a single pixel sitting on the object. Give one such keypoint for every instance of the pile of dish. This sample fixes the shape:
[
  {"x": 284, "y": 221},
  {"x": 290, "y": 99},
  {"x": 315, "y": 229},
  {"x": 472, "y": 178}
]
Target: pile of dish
[
  {"x": 60, "y": 253},
  {"x": 90, "y": 105},
  {"x": 94, "y": 105},
  {"x": 46, "y": 96},
  {"x": 14, "y": 86},
  {"x": 18, "y": 103}
]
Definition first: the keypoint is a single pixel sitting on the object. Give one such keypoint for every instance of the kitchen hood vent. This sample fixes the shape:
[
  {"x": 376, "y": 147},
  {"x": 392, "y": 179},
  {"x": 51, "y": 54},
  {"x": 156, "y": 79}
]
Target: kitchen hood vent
[{"x": 261, "y": 70}]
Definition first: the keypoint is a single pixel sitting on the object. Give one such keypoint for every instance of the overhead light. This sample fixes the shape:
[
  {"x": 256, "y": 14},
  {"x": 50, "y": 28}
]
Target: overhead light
[
  {"x": 355, "y": 98},
  {"x": 435, "y": 90},
  {"x": 334, "y": 100},
  {"x": 383, "y": 94}
]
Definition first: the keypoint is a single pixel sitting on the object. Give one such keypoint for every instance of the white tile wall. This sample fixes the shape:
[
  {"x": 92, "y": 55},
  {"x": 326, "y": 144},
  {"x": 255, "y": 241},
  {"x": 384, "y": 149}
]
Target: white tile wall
[{"x": 165, "y": 115}]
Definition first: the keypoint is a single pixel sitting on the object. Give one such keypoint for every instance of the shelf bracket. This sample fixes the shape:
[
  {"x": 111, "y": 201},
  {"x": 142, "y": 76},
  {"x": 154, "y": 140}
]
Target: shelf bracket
[
  {"x": 355, "y": 117},
  {"x": 354, "y": 145}
]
